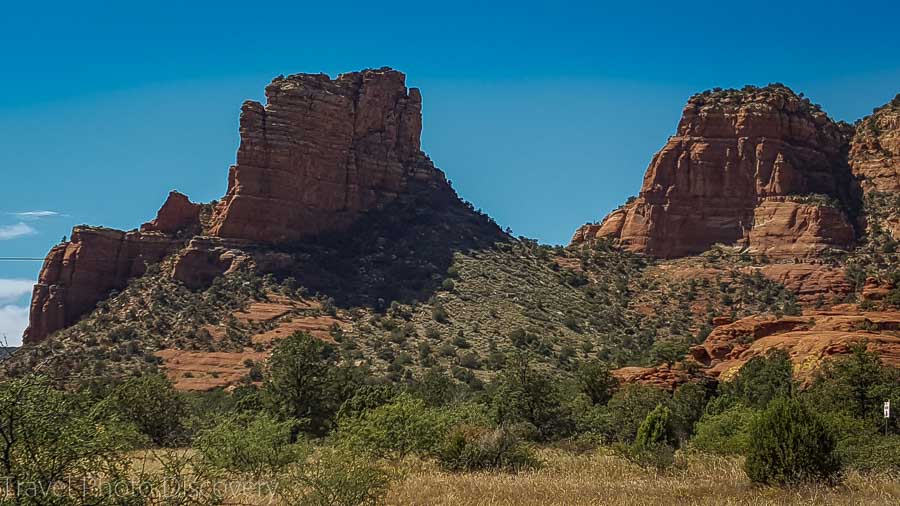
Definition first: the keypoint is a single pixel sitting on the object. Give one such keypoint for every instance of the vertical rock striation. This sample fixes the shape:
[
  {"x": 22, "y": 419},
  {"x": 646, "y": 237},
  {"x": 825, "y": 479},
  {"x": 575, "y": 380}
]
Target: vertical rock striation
[
  {"x": 79, "y": 273},
  {"x": 320, "y": 153},
  {"x": 740, "y": 159}
]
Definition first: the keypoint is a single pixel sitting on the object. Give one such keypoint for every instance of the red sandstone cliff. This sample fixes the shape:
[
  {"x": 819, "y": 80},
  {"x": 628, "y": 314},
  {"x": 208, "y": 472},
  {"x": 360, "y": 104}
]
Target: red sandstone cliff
[
  {"x": 315, "y": 158},
  {"x": 747, "y": 167},
  {"x": 79, "y": 273},
  {"x": 875, "y": 149},
  {"x": 320, "y": 153}
]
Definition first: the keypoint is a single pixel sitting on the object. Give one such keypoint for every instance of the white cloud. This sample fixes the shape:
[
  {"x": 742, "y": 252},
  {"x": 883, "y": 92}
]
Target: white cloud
[
  {"x": 13, "y": 321},
  {"x": 12, "y": 289},
  {"x": 13, "y": 231},
  {"x": 33, "y": 215}
]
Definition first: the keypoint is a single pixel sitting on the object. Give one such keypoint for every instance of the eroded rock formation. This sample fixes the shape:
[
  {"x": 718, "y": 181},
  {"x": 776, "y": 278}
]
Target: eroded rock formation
[
  {"x": 177, "y": 214},
  {"x": 79, "y": 273},
  {"x": 875, "y": 149},
  {"x": 320, "y": 153},
  {"x": 759, "y": 158},
  {"x": 809, "y": 340}
]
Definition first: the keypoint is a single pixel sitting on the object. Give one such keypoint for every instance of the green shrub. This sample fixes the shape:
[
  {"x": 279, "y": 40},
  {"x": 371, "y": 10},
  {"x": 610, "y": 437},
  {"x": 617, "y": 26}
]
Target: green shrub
[
  {"x": 436, "y": 388},
  {"x": 402, "y": 427},
  {"x": 367, "y": 397},
  {"x": 656, "y": 456},
  {"x": 760, "y": 380},
  {"x": 305, "y": 384},
  {"x": 871, "y": 453},
  {"x": 335, "y": 477},
  {"x": 254, "y": 444},
  {"x": 475, "y": 448},
  {"x": 595, "y": 381},
  {"x": 789, "y": 444},
  {"x": 628, "y": 408},
  {"x": 857, "y": 385},
  {"x": 725, "y": 433},
  {"x": 151, "y": 403},
  {"x": 51, "y": 440},
  {"x": 656, "y": 429},
  {"x": 688, "y": 403},
  {"x": 439, "y": 314},
  {"x": 523, "y": 395}
]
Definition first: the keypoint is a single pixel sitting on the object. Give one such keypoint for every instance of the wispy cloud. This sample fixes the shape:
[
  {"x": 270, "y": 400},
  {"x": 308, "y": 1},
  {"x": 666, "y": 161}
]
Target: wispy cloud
[
  {"x": 12, "y": 289},
  {"x": 13, "y": 231},
  {"x": 13, "y": 320},
  {"x": 34, "y": 215}
]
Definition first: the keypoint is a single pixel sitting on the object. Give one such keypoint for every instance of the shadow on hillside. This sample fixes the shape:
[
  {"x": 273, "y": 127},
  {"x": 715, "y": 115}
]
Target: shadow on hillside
[{"x": 401, "y": 252}]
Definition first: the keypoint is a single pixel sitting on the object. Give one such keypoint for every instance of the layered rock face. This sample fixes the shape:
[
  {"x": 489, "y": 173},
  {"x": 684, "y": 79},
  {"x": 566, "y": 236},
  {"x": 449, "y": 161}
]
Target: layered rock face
[
  {"x": 320, "y": 153},
  {"x": 740, "y": 160},
  {"x": 809, "y": 340},
  {"x": 875, "y": 149},
  {"x": 79, "y": 273},
  {"x": 315, "y": 158}
]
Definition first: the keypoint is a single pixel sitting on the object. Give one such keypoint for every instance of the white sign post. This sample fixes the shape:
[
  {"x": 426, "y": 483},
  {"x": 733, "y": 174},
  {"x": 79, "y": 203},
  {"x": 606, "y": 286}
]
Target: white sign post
[{"x": 887, "y": 414}]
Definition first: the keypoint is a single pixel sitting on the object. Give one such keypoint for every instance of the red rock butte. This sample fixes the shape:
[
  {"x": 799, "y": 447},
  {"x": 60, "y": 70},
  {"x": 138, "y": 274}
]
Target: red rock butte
[
  {"x": 319, "y": 154},
  {"x": 761, "y": 167}
]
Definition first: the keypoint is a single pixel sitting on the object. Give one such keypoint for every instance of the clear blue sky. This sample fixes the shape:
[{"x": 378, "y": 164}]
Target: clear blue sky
[{"x": 545, "y": 115}]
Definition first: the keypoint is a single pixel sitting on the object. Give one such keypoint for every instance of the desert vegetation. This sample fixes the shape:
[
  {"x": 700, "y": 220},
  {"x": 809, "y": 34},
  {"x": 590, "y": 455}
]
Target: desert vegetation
[{"x": 319, "y": 430}]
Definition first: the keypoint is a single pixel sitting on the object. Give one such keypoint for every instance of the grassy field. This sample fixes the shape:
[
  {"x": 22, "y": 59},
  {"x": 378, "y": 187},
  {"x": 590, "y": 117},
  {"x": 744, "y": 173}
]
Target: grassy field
[{"x": 603, "y": 478}]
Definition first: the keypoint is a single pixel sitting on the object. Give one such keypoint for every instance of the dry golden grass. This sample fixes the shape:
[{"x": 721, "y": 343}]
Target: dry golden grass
[{"x": 602, "y": 478}]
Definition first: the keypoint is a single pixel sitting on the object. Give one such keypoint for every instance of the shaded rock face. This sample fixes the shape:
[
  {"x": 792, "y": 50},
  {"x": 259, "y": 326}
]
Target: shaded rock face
[
  {"x": 79, "y": 273},
  {"x": 875, "y": 149},
  {"x": 735, "y": 157},
  {"x": 203, "y": 259},
  {"x": 320, "y": 153}
]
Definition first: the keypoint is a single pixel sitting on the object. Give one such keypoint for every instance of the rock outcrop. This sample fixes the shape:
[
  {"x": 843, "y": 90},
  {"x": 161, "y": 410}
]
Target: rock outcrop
[
  {"x": 809, "y": 340},
  {"x": 178, "y": 214},
  {"x": 811, "y": 283},
  {"x": 320, "y": 153},
  {"x": 755, "y": 158},
  {"x": 786, "y": 229},
  {"x": 875, "y": 149},
  {"x": 79, "y": 273}
]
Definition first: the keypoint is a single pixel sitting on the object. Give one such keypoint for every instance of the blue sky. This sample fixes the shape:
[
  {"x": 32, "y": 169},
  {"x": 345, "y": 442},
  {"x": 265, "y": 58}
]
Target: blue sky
[{"x": 545, "y": 115}]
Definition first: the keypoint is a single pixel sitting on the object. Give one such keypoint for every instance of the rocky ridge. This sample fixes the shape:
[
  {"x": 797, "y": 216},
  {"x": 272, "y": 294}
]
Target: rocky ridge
[{"x": 332, "y": 196}]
